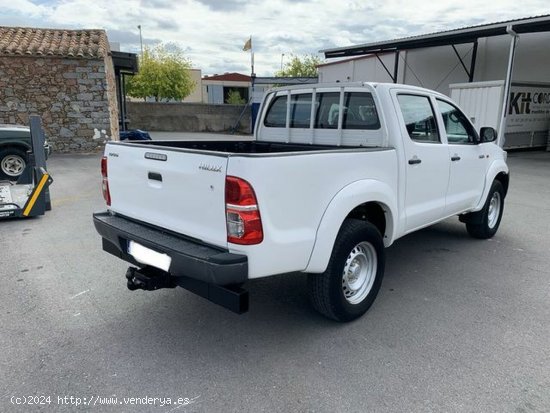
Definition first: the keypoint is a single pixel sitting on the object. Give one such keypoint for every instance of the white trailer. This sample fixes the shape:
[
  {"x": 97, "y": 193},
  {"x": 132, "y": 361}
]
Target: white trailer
[{"x": 527, "y": 118}]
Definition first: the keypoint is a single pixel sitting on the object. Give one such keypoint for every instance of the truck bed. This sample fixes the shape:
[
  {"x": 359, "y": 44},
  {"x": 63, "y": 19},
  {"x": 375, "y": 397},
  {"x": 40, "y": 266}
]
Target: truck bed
[
  {"x": 250, "y": 147},
  {"x": 180, "y": 186}
]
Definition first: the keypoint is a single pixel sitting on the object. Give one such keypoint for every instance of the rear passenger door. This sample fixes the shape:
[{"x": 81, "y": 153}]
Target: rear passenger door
[
  {"x": 468, "y": 160},
  {"x": 426, "y": 157}
]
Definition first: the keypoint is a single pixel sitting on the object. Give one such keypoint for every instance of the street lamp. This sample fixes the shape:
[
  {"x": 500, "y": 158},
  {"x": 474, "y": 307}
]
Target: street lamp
[{"x": 140, "y": 40}]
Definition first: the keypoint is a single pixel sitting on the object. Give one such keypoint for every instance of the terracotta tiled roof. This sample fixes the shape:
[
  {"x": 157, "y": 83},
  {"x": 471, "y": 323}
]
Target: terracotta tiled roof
[
  {"x": 24, "y": 41},
  {"x": 229, "y": 77}
]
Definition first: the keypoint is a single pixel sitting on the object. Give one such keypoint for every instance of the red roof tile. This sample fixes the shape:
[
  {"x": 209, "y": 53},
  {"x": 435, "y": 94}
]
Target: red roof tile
[
  {"x": 229, "y": 77},
  {"x": 25, "y": 41}
]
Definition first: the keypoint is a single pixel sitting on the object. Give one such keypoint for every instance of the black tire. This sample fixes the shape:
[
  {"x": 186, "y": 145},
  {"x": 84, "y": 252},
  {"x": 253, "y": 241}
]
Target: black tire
[
  {"x": 327, "y": 289},
  {"x": 486, "y": 226},
  {"x": 5, "y": 155}
]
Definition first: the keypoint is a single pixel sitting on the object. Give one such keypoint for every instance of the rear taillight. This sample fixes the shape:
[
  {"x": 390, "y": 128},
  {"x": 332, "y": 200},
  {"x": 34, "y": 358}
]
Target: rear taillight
[
  {"x": 105, "y": 181},
  {"x": 244, "y": 224}
]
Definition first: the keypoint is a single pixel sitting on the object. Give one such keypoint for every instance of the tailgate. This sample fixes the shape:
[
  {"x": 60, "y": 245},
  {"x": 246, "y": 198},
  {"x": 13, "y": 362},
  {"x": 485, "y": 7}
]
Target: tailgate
[{"x": 182, "y": 191}]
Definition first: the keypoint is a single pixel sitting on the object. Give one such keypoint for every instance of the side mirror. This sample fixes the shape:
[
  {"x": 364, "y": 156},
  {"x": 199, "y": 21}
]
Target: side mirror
[{"x": 487, "y": 134}]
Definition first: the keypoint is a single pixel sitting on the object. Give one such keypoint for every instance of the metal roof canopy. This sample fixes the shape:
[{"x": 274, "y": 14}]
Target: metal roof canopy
[
  {"x": 445, "y": 38},
  {"x": 451, "y": 38}
]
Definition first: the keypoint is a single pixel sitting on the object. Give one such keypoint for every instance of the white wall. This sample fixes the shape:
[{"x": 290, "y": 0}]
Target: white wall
[
  {"x": 196, "y": 95},
  {"x": 437, "y": 67}
]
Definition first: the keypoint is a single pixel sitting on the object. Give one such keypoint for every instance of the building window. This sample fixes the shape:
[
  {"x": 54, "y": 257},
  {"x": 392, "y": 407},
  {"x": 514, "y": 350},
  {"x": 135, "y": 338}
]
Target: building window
[{"x": 230, "y": 93}]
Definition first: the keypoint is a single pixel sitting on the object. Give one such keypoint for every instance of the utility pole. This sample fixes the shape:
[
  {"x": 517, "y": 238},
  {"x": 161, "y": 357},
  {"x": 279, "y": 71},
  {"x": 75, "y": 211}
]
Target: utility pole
[
  {"x": 282, "y": 56},
  {"x": 140, "y": 40}
]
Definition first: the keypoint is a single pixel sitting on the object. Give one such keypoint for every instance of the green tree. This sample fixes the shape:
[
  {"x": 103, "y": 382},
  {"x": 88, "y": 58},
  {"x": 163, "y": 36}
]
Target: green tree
[
  {"x": 304, "y": 66},
  {"x": 163, "y": 74},
  {"x": 234, "y": 98}
]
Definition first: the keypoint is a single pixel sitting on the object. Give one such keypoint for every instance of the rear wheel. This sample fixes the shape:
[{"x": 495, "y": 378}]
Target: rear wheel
[
  {"x": 348, "y": 287},
  {"x": 491, "y": 214},
  {"x": 12, "y": 162}
]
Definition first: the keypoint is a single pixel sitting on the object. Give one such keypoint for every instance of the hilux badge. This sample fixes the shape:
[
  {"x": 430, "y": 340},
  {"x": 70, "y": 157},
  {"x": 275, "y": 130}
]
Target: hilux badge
[{"x": 211, "y": 168}]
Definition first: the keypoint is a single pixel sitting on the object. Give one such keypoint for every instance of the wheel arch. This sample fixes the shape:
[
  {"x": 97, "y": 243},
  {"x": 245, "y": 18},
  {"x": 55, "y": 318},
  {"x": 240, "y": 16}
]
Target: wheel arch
[
  {"x": 15, "y": 145},
  {"x": 504, "y": 179},
  {"x": 497, "y": 171},
  {"x": 373, "y": 212},
  {"x": 370, "y": 200}
]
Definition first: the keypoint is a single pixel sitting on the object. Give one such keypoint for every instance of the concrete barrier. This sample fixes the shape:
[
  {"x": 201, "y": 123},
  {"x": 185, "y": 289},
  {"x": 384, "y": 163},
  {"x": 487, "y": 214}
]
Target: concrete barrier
[{"x": 187, "y": 117}]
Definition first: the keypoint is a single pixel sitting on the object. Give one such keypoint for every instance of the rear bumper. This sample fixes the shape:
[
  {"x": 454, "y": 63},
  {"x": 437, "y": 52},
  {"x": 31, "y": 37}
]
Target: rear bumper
[{"x": 189, "y": 259}]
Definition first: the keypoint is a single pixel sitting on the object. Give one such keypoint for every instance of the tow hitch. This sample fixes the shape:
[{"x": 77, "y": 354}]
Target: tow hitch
[
  {"x": 232, "y": 297},
  {"x": 148, "y": 279}
]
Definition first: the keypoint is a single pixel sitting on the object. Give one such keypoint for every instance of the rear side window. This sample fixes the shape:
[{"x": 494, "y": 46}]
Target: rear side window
[
  {"x": 328, "y": 110},
  {"x": 419, "y": 118},
  {"x": 276, "y": 114},
  {"x": 360, "y": 111},
  {"x": 300, "y": 110}
]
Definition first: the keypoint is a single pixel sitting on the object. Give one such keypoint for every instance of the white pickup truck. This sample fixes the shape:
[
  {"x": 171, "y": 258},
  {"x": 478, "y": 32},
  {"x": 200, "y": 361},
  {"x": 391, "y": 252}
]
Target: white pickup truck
[{"x": 336, "y": 173}]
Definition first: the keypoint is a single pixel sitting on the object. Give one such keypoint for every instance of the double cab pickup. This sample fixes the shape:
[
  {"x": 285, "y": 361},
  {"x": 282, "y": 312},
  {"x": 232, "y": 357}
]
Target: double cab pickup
[{"x": 334, "y": 175}]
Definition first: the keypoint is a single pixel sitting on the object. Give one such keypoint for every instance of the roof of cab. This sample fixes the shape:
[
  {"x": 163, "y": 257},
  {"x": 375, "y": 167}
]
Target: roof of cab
[
  {"x": 13, "y": 128},
  {"x": 370, "y": 85}
]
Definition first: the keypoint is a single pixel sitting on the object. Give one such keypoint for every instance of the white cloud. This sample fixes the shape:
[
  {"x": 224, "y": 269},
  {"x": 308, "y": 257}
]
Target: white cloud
[
  {"x": 214, "y": 31},
  {"x": 24, "y": 7}
]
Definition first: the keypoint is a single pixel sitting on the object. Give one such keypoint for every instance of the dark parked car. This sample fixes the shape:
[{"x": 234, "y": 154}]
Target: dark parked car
[
  {"x": 135, "y": 135},
  {"x": 15, "y": 141}
]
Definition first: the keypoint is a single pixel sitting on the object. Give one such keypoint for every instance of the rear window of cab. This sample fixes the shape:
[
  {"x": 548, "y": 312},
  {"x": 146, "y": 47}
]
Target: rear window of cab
[{"x": 358, "y": 111}]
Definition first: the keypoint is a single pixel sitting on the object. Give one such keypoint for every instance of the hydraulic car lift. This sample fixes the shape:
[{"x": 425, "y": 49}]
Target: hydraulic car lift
[{"x": 29, "y": 196}]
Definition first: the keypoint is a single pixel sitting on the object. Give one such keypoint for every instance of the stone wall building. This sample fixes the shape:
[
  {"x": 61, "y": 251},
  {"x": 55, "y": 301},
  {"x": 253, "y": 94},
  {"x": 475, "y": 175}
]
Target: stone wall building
[{"x": 64, "y": 76}]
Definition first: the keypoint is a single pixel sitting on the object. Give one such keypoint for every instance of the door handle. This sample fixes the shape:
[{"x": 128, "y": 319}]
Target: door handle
[
  {"x": 414, "y": 161},
  {"x": 455, "y": 158},
  {"x": 155, "y": 176}
]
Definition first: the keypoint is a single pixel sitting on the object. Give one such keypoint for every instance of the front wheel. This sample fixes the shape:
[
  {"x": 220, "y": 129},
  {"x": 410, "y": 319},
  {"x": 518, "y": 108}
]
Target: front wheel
[
  {"x": 490, "y": 215},
  {"x": 349, "y": 285},
  {"x": 12, "y": 163}
]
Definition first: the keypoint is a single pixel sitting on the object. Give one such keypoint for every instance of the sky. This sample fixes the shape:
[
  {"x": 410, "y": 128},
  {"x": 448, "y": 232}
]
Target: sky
[{"x": 212, "y": 32}]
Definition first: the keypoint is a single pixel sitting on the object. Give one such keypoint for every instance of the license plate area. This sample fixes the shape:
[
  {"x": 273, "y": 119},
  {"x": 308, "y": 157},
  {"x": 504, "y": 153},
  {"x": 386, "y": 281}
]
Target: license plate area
[{"x": 147, "y": 256}]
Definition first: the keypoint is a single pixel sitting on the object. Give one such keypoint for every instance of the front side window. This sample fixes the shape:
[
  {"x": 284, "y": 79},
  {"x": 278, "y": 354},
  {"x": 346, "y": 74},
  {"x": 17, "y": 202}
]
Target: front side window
[
  {"x": 360, "y": 111},
  {"x": 419, "y": 118},
  {"x": 457, "y": 127},
  {"x": 276, "y": 114}
]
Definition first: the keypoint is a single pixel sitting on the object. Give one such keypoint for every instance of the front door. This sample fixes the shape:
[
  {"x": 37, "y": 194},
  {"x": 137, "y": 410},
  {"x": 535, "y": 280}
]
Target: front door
[
  {"x": 426, "y": 158},
  {"x": 469, "y": 162}
]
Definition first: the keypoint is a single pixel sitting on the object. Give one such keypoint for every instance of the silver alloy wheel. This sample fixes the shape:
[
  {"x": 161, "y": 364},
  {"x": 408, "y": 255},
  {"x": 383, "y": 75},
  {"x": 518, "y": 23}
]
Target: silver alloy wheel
[
  {"x": 494, "y": 210},
  {"x": 359, "y": 272},
  {"x": 12, "y": 165}
]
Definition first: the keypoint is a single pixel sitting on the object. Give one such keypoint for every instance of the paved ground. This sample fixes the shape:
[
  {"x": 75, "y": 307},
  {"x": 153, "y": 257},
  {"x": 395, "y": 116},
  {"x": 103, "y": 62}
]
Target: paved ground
[{"x": 459, "y": 326}]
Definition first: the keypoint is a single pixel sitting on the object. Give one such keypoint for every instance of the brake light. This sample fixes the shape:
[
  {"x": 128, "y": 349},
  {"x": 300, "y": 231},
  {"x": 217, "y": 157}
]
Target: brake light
[
  {"x": 105, "y": 181},
  {"x": 244, "y": 224}
]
